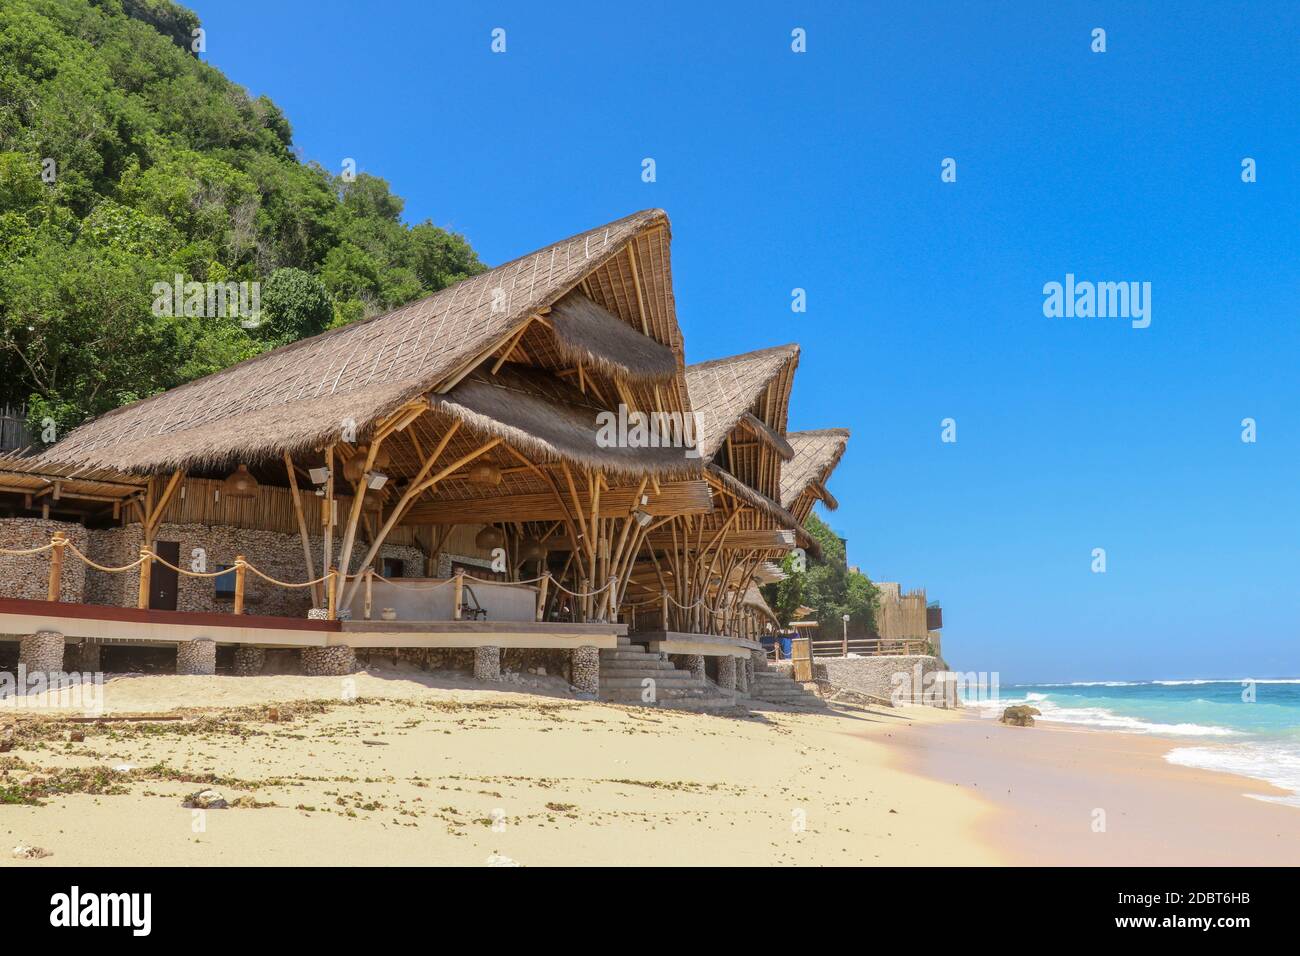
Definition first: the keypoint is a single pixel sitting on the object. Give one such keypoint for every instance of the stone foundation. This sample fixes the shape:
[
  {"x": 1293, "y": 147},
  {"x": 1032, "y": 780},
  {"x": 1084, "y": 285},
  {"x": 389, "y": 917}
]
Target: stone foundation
[
  {"x": 249, "y": 660},
  {"x": 586, "y": 670},
  {"x": 328, "y": 661},
  {"x": 727, "y": 673},
  {"x": 196, "y": 657},
  {"x": 42, "y": 652},
  {"x": 904, "y": 678},
  {"x": 487, "y": 663},
  {"x": 742, "y": 675},
  {"x": 695, "y": 664}
]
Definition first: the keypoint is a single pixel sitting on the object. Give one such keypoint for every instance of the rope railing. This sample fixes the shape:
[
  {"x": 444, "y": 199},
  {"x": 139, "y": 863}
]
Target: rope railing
[
  {"x": 26, "y": 552},
  {"x": 59, "y": 544}
]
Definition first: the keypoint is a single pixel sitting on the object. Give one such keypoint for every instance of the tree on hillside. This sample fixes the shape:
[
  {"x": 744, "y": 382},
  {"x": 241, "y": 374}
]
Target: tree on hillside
[
  {"x": 126, "y": 161},
  {"x": 826, "y": 585}
]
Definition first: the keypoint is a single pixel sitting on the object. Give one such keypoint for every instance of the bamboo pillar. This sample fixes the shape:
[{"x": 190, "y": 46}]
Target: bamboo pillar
[
  {"x": 56, "y": 566},
  {"x": 611, "y": 600},
  {"x": 241, "y": 581},
  {"x": 146, "y": 568},
  {"x": 541, "y": 596},
  {"x": 663, "y": 600},
  {"x": 370, "y": 576},
  {"x": 457, "y": 595},
  {"x": 332, "y": 611}
]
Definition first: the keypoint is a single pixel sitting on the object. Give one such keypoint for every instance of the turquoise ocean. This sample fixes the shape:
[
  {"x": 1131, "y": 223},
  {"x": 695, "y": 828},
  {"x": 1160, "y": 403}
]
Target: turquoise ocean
[{"x": 1247, "y": 727}]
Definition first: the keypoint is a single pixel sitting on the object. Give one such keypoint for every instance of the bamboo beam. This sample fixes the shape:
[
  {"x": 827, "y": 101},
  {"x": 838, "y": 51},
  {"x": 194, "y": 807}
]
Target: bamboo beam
[
  {"x": 675, "y": 498},
  {"x": 413, "y": 492},
  {"x": 296, "y": 495}
]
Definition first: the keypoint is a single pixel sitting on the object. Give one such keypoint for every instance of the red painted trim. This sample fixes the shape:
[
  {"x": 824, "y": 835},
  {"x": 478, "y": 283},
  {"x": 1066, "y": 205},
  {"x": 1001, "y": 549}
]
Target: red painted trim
[{"x": 101, "y": 612}]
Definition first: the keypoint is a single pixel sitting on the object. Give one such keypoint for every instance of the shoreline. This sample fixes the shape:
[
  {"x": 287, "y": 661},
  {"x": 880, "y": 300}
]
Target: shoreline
[{"x": 1064, "y": 794}]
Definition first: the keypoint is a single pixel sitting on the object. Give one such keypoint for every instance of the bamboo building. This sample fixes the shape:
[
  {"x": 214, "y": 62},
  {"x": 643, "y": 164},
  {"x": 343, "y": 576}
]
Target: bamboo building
[{"x": 520, "y": 467}]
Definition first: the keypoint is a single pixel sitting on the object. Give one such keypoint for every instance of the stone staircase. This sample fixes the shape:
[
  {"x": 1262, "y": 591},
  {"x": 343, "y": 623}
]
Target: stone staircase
[
  {"x": 778, "y": 687},
  {"x": 623, "y": 668}
]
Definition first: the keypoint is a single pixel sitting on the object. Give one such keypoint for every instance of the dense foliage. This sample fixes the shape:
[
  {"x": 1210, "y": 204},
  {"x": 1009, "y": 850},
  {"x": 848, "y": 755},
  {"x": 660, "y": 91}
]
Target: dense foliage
[
  {"x": 125, "y": 161},
  {"x": 828, "y": 586}
]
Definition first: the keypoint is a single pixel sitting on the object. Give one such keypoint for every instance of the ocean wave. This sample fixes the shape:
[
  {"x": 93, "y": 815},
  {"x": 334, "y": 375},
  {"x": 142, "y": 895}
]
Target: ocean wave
[
  {"x": 1100, "y": 717},
  {"x": 1165, "y": 683},
  {"x": 1272, "y": 763}
]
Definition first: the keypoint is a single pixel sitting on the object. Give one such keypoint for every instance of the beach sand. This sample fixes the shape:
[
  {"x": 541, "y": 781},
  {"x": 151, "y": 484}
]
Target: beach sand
[
  {"x": 423, "y": 769},
  {"x": 437, "y": 769},
  {"x": 1049, "y": 782}
]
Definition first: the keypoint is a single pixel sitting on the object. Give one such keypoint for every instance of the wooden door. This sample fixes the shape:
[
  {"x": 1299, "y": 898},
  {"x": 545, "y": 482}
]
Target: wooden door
[
  {"x": 801, "y": 655},
  {"x": 162, "y": 579}
]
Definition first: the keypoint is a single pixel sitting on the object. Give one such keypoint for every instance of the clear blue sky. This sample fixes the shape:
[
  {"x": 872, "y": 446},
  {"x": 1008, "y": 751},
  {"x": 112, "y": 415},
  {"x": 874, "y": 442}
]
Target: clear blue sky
[{"x": 925, "y": 299}]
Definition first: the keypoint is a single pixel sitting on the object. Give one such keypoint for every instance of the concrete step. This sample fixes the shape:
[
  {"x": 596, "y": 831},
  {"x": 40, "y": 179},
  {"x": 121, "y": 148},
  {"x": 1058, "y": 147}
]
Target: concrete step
[
  {"x": 651, "y": 665},
  {"x": 671, "y": 679},
  {"x": 623, "y": 654}
]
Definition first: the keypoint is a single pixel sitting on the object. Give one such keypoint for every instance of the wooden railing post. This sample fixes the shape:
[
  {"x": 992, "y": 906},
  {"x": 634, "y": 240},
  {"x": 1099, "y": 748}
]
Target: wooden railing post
[
  {"x": 370, "y": 577},
  {"x": 541, "y": 595},
  {"x": 56, "y": 566},
  {"x": 584, "y": 602},
  {"x": 241, "y": 582},
  {"x": 146, "y": 570},
  {"x": 457, "y": 595},
  {"x": 333, "y": 611},
  {"x": 663, "y": 601}
]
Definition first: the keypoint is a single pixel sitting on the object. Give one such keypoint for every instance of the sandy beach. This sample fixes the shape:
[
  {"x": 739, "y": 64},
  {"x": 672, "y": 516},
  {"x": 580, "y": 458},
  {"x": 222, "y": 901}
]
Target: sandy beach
[
  {"x": 432, "y": 769},
  {"x": 428, "y": 770}
]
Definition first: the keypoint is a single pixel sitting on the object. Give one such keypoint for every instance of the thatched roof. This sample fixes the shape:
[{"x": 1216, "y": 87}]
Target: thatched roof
[
  {"x": 586, "y": 333},
  {"x": 27, "y": 474},
  {"x": 550, "y": 421},
  {"x": 756, "y": 499},
  {"x": 816, "y": 454},
  {"x": 723, "y": 390},
  {"x": 298, "y": 397}
]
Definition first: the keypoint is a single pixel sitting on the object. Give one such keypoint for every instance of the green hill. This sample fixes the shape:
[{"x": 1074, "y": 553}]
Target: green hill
[{"x": 125, "y": 161}]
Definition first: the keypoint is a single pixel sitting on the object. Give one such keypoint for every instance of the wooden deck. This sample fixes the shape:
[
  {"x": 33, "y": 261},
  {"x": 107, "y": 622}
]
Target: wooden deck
[
  {"x": 119, "y": 625},
  {"x": 682, "y": 642}
]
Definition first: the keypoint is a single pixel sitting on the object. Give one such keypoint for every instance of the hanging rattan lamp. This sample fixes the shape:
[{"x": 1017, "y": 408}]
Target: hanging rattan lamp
[
  {"x": 240, "y": 484},
  {"x": 489, "y": 538},
  {"x": 485, "y": 473}
]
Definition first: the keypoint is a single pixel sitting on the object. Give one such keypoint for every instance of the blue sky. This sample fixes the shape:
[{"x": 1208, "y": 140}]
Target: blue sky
[{"x": 822, "y": 171}]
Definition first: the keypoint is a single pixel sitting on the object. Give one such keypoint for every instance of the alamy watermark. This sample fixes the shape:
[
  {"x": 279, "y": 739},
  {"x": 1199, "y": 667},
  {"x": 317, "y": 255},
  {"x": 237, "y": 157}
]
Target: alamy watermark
[
  {"x": 36, "y": 690},
  {"x": 917, "y": 687},
  {"x": 1101, "y": 300},
  {"x": 633, "y": 429},
  {"x": 209, "y": 300}
]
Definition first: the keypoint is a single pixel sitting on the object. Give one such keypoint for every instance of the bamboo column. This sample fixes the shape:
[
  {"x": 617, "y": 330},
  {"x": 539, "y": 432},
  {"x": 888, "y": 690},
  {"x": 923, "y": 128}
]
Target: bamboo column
[{"x": 56, "y": 566}]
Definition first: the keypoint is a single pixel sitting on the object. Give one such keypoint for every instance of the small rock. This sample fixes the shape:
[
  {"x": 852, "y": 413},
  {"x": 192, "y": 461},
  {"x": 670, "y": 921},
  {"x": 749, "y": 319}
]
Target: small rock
[
  {"x": 497, "y": 859},
  {"x": 6, "y": 743},
  {"x": 273, "y": 714},
  {"x": 77, "y": 736},
  {"x": 1021, "y": 715},
  {"x": 24, "y": 852},
  {"x": 205, "y": 800}
]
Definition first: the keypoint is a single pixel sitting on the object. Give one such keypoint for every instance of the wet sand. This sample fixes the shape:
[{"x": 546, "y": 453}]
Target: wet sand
[{"x": 1052, "y": 785}]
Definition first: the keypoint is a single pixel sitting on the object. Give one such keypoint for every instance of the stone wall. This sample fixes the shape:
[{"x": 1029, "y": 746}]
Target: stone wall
[
  {"x": 874, "y": 675},
  {"x": 274, "y": 553},
  {"x": 28, "y": 576}
]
